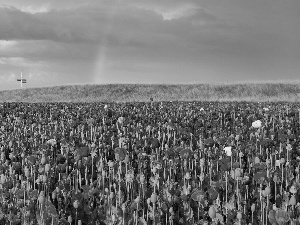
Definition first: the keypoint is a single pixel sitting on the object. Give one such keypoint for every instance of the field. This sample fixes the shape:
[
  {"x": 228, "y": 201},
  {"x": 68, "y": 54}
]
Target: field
[
  {"x": 141, "y": 93},
  {"x": 150, "y": 163}
]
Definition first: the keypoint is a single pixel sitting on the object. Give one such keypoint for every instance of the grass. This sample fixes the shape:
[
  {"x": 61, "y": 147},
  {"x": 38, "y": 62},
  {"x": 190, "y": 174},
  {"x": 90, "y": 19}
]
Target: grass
[{"x": 139, "y": 92}]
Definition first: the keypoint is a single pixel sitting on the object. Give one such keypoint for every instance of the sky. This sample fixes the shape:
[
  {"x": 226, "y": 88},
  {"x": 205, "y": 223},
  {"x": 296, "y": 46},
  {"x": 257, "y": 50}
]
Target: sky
[{"x": 65, "y": 42}]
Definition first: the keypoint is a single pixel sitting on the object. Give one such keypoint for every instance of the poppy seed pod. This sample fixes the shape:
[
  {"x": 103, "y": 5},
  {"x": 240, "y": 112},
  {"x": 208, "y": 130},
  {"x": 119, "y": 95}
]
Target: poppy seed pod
[
  {"x": 212, "y": 212},
  {"x": 237, "y": 173},
  {"x": 123, "y": 207},
  {"x": 247, "y": 180},
  {"x": 252, "y": 207},
  {"x": 43, "y": 160},
  {"x": 201, "y": 177},
  {"x": 113, "y": 217},
  {"x": 293, "y": 189},
  {"x": 138, "y": 199},
  {"x": 239, "y": 215},
  {"x": 11, "y": 156},
  {"x": 45, "y": 179},
  {"x": 110, "y": 164},
  {"x": 267, "y": 190},
  {"x": 2, "y": 155},
  {"x": 41, "y": 199},
  {"x": 47, "y": 168},
  {"x": 142, "y": 178},
  {"x": 79, "y": 164},
  {"x": 53, "y": 195},
  {"x": 232, "y": 174},
  {"x": 27, "y": 173},
  {"x": 76, "y": 204},
  {"x": 126, "y": 160},
  {"x": 256, "y": 160},
  {"x": 70, "y": 219},
  {"x": 292, "y": 200},
  {"x": 2, "y": 180},
  {"x": 187, "y": 176},
  {"x": 278, "y": 162},
  {"x": 99, "y": 169},
  {"x": 154, "y": 170},
  {"x": 202, "y": 161},
  {"x": 27, "y": 214},
  {"x": 153, "y": 198},
  {"x": 185, "y": 163},
  {"x": 148, "y": 201},
  {"x": 112, "y": 195}
]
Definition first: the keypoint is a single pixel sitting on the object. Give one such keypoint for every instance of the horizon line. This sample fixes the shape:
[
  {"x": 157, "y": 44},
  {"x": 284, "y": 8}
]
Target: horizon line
[{"x": 295, "y": 82}]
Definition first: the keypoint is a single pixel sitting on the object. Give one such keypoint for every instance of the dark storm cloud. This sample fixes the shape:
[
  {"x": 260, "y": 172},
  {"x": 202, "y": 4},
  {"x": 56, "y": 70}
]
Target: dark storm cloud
[
  {"x": 86, "y": 24},
  {"x": 65, "y": 26},
  {"x": 139, "y": 40}
]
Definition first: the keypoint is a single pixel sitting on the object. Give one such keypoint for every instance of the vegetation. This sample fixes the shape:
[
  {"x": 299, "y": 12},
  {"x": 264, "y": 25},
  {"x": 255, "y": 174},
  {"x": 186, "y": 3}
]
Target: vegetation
[{"x": 139, "y": 92}]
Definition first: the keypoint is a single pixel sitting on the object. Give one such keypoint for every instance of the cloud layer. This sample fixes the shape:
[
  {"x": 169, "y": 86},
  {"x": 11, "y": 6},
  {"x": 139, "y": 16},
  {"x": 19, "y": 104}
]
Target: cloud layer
[{"x": 139, "y": 41}]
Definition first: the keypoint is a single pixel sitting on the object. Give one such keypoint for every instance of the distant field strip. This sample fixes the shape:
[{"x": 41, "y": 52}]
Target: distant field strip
[{"x": 136, "y": 92}]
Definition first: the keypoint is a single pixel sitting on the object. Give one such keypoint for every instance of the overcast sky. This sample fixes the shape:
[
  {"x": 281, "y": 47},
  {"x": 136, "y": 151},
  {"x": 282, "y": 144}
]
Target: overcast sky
[{"x": 59, "y": 42}]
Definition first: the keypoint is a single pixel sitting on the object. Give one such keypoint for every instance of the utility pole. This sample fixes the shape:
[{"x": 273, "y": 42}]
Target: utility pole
[{"x": 22, "y": 81}]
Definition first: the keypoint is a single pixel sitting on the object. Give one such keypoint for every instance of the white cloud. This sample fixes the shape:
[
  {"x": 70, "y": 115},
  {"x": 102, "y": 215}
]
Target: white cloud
[
  {"x": 7, "y": 44},
  {"x": 178, "y": 12},
  {"x": 20, "y": 61},
  {"x": 169, "y": 11},
  {"x": 11, "y": 60},
  {"x": 37, "y": 75},
  {"x": 36, "y": 9}
]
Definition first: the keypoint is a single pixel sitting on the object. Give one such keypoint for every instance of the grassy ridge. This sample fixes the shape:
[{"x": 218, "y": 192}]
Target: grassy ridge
[{"x": 138, "y": 92}]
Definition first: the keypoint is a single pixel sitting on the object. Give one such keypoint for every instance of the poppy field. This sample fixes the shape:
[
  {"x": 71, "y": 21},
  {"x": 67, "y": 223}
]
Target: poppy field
[{"x": 208, "y": 163}]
